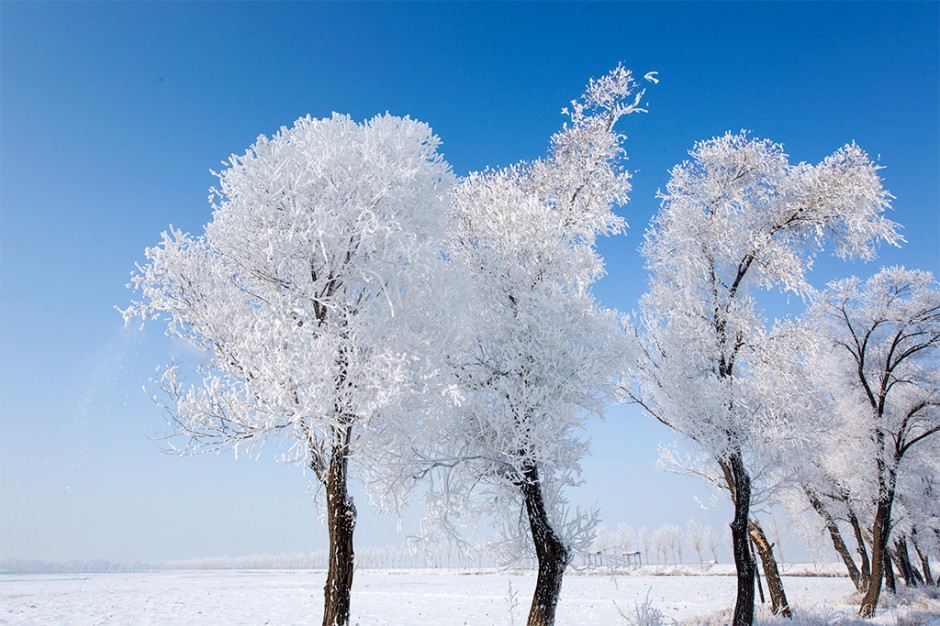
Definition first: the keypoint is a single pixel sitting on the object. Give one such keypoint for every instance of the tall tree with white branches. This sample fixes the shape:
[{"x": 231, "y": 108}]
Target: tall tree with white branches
[
  {"x": 736, "y": 216},
  {"x": 880, "y": 361},
  {"x": 542, "y": 354},
  {"x": 312, "y": 296}
]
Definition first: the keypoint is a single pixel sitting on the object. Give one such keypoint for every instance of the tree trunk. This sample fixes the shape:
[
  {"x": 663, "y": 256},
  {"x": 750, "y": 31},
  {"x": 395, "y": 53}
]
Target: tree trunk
[
  {"x": 552, "y": 553},
  {"x": 924, "y": 560},
  {"x": 341, "y": 521},
  {"x": 912, "y": 577},
  {"x": 765, "y": 550},
  {"x": 865, "y": 570},
  {"x": 744, "y": 603},
  {"x": 880, "y": 532},
  {"x": 937, "y": 533},
  {"x": 891, "y": 582},
  {"x": 760, "y": 586},
  {"x": 837, "y": 542}
]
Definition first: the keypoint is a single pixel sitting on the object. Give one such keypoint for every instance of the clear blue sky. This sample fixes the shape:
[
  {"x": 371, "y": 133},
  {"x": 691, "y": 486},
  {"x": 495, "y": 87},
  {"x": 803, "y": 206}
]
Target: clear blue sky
[{"x": 112, "y": 115}]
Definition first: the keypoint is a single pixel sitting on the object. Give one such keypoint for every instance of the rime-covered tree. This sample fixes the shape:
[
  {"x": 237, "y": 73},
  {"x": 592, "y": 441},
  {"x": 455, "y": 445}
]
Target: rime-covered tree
[
  {"x": 698, "y": 538},
  {"x": 311, "y": 295},
  {"x": 738, "y": 216},
  {"x": 880, "y": 361},
  {"x": 543, "y": 353}
]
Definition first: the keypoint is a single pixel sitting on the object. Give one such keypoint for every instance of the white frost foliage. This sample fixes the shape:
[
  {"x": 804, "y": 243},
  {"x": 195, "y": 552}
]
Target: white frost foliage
[
  {"x": 316, "y": 292},
  {"x": 879, "y": 359},
  {"x": 739, "y": 215},
  {"x": 739, "y": 204},
  {"x": 542, "y": 354}
]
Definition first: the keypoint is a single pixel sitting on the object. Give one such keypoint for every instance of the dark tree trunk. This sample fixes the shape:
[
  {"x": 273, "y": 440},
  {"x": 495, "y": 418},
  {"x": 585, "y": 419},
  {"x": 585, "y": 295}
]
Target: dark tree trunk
[
  {"x": 891, "y": 582},
  {"x": 865, "y": 571},
  {"x": 760, "y": 585},
  {"x": 837, "y": 542},
  {"x": 743, "y": 563},
  {"x": 912, "y": 577},
  {"x": 341, "y": 521},
  {"x": 552, "y": 553},
  {"x": 924, "y": 561},
  {"x": 765, "y": 550},
  {"x": 879, "y": 565},
  {"x": 937, "y": 533}
]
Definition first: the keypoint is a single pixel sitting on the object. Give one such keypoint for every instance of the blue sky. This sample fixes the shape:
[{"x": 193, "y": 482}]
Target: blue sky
[{"x": 112, "y": 115}]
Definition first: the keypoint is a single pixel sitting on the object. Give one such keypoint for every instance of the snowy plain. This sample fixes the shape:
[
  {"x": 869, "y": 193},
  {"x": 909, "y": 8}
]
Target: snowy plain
[{"x": 405, "y": 597}]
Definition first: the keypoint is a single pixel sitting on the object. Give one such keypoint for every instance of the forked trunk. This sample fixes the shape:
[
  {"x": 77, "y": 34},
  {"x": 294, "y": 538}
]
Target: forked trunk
[
  {"x": 552, "y": 553},
  {"x": 837, "y": 542},
  {"x": 743, "y": 563},
  {"x": 765, "y": 550},
  {"x": 341, "y": 521}
]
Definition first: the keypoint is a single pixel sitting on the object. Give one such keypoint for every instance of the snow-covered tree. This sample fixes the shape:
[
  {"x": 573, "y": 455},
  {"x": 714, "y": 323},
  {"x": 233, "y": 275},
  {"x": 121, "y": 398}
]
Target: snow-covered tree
[
  {"x": 739, "y": 215},
  {"x": 645, "y": 541},
  {"x": 604, "y": 539},
  {"x": 672, "y": 537},
  {"x": 919, "y": 500},
  {"x": 661, "y": 545},
  {"x": 880, "y": 360},
  {"x": 312, "y": 296},
  {"x": 543, "y": 353},
  {"x": 695, "y": 537},
  {"x": 626, "y": 537}
]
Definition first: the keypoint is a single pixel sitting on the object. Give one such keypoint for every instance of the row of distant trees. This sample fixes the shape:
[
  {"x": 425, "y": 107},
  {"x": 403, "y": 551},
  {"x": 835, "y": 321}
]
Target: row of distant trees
[
  {"x": 434, "y": 556},
  {"x": 441, "y": 555},
  {"x": 390, "y": 323},
  {"x": 662, "y": 545}
]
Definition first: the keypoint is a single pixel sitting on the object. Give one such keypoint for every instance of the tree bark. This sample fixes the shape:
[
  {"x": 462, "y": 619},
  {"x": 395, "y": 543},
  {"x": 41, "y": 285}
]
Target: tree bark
[
  {"x": 341, "y": 522},
  {"x": 879, "y": 556},
  {"x": 891, "y": 582},
  {"x": 924, "y": 561},
  {"x": 865, "y": 571},
  {"x": 937, "y": 533},
  {"x": 912, "y": 577},
  {"x": 837, "y": 542},
  {"x": 552, "y": 553},
  {"x": 778, "y": 597},
  {"x": 760, "y": 586},
  {"x": 744, "y": 603}
]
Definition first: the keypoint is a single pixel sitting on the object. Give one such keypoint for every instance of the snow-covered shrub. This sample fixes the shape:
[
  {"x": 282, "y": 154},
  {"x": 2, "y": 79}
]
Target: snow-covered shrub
[{"x": 644, "y": 614}]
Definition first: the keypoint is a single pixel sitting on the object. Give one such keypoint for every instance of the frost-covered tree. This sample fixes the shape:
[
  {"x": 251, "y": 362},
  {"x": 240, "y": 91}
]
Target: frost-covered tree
[
  {"x": 661, "y": 545},
  {"x": 815, "y": 494},
  {"x": 695, "y": 537},
  {"x": 672, "y": 540},
  {"x": 311, "y": 296},
  {"x": 881, "y": 362},
  {"x": 645, "y": 540},
  {"x": 543, "y": 353},
  {"x": 919, "y": 499},
  {"x": 739, "y": 215},
  {"x": 626, "y": 537}
]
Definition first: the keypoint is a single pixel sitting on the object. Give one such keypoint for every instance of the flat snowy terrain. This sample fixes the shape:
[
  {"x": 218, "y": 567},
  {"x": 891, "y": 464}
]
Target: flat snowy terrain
[{"x": 425, "y": 597}]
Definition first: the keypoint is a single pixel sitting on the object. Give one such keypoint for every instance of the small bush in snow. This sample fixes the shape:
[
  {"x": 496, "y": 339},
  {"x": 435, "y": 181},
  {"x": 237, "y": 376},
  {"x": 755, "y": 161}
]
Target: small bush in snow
[{"x": 644, "y": 614}]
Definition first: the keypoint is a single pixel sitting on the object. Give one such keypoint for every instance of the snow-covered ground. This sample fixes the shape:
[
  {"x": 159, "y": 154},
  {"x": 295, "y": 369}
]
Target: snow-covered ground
[{"x": 425, "y": 597}]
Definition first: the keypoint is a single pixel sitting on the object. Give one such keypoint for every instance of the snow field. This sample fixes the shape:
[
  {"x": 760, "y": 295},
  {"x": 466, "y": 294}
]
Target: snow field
[{"x": 395, "y": 598}]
